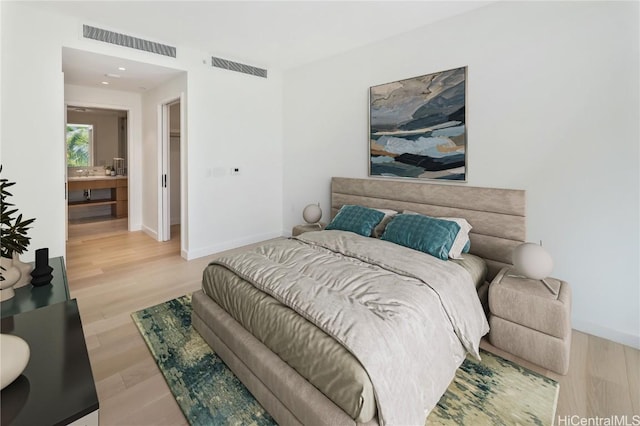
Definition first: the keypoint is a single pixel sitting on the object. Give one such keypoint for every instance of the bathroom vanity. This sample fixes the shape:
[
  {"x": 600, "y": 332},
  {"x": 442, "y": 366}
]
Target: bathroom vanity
[{"x": 118, "y": 199}]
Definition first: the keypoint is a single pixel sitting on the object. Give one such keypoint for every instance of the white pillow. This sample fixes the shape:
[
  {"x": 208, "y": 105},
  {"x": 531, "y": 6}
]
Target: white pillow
[
  {"x": 455, "y": 252},
  {"x": 461, "y": 239},
  {"x": 379, "y": 229}
]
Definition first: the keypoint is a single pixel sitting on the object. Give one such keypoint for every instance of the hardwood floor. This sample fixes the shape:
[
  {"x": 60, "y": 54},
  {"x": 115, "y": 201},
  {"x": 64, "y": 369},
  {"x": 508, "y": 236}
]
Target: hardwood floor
[
  {"x": 115, "y": 274},
  {"x": 96, "y": 227}
]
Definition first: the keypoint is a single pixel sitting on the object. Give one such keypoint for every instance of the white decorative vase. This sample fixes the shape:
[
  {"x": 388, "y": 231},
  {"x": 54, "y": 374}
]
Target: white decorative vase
[
  {"x": 15, "y": 353},
  {"x": 25, "y": 271},
  {"x": 11, "y": 275}
]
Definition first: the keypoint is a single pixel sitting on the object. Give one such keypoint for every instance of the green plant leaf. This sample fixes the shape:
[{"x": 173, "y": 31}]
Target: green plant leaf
[{"x": 13, "y": 231}]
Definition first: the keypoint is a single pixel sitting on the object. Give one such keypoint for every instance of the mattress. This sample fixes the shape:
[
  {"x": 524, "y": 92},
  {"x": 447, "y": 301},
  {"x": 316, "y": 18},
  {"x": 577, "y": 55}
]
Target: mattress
[{"x": 315, "y": 355}]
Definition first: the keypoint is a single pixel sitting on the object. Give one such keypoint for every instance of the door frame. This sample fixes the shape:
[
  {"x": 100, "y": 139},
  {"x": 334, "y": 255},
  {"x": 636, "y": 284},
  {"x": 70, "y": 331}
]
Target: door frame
[{"x": 131, "y": 177}]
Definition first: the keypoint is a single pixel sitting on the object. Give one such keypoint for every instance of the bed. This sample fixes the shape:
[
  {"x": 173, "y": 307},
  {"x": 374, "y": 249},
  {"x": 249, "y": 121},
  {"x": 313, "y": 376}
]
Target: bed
[{"x": 244, "y": 301}]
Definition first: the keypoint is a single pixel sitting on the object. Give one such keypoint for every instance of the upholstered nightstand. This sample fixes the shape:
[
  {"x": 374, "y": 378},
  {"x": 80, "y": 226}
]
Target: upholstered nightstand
[
  {"x": 301, "y": 229},
  {"x": 531, "y": 322}
]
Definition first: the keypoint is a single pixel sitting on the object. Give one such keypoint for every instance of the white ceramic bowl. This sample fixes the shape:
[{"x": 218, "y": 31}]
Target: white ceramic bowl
[{"x": 14, "y": 353}]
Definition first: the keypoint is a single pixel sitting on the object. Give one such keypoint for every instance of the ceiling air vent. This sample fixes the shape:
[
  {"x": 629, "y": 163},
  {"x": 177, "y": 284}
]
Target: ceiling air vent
[
  {"x": 238, "y": 67},
  {"x": 127, "y": 41}
]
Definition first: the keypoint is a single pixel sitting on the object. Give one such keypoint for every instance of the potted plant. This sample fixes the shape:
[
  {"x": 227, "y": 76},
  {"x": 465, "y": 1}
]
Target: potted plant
[{"x": 13, "y": 233}]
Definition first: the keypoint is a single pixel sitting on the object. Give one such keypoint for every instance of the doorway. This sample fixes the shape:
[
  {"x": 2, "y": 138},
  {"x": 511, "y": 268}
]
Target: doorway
[
  {"x": 170, "y": 208},
  {"x": 97, "y": 180}
]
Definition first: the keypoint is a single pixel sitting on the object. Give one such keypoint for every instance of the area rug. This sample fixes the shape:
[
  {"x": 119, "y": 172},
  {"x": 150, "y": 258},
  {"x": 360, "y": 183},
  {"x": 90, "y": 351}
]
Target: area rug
[{"x": 491, "y": 392}]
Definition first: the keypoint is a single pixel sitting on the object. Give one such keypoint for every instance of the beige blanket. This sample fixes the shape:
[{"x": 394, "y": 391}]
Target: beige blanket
[{"x": 403, "y": 314}]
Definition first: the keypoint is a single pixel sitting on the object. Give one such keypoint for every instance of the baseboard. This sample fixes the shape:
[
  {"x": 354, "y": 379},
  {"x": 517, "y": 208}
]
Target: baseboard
[
  {"x": 150, "y": 232},
  {"x": 618, "y": 336},
  {"x": 228, "y": 245},
  {"x": 134, "y": 226}
]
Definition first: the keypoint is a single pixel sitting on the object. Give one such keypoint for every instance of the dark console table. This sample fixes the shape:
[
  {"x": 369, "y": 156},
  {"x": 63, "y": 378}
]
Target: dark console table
[
  {"x": 57, "y": 387},
  {"x": 29, "y": 297}
]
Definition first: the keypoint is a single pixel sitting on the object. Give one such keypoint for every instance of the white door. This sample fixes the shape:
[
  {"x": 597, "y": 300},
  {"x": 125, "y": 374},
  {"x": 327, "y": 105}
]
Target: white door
[{"x": 164, "y": 224}]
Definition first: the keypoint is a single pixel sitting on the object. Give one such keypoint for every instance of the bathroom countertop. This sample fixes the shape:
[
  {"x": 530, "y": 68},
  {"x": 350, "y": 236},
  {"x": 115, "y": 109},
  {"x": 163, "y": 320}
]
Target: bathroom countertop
[{"x": 80, "y": 178}]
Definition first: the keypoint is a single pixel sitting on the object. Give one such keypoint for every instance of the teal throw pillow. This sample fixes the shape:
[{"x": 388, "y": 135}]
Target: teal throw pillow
[
  {"x": 467, "y": 247},
  {"x": 423, "y": 233},
  {"x": 358, "y": 219}
]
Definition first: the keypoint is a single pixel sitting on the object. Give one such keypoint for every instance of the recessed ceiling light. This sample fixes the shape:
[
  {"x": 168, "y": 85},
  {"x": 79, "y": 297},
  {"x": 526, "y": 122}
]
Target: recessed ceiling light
[
  {"x": 112, "y": 75},
  {"x": 105, "y": 82},
  {"x": 122, "y": 68}
]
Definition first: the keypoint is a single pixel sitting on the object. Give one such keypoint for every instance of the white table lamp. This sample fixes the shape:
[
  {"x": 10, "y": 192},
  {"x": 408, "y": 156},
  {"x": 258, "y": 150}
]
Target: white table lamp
[
  {"x": 312, "y": 214},
  {"x": 533, "y": 261}
]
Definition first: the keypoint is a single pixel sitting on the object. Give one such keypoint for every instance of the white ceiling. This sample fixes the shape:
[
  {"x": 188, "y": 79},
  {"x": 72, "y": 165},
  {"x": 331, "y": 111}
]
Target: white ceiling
[
  {"x": 266, "y": 34},
  {"x": 91, "y": 69}
]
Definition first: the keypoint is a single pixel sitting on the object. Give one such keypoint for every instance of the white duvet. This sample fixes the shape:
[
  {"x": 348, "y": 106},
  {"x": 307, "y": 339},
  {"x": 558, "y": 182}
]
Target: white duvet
[{"x": 407, "y": 317}]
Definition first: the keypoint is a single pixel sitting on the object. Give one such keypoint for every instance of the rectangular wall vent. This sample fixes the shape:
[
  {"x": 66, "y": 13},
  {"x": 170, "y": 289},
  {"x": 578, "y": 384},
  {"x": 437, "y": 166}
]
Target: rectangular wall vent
[
  {"x": 127, "y": 41},
  {"x": 238, "y": 67}
]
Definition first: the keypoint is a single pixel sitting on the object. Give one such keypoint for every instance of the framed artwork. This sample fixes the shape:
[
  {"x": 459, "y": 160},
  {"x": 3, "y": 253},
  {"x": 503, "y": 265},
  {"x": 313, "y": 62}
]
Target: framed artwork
[{"x": 417, "y": 127}]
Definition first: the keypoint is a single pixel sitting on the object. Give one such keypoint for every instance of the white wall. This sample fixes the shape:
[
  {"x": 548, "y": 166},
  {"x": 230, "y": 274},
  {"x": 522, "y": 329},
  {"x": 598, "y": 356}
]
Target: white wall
[
  {"x": 231, "y": 115},
  {"x": 552, "y": 108},
  {"x": 37, "y": 162},
  {"x": 238, "y": 120}
]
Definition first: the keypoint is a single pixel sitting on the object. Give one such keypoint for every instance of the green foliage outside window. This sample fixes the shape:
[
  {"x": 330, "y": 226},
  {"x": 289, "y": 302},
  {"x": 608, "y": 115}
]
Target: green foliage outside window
[{"x": 78, "y": 145}]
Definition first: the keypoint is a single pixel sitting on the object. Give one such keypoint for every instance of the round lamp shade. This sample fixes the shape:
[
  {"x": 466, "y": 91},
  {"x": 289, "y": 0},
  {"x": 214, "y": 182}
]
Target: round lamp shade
[
  {"x": 532, "y": 261},
  {"x": 312, "y": 213}
]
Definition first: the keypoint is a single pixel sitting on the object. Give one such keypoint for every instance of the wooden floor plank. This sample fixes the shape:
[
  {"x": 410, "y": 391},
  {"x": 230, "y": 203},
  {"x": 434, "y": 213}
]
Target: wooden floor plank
[
  {"x": 632, "y": 360},
  {"x": 161, "y": 412},
  {"x": 109, "y": 387},
  {"x": 139, "y": 402},
  {"x": 139, "y": 372},
  {"x": 607, "y": 380},
  {"x": 573, "y": 399}
]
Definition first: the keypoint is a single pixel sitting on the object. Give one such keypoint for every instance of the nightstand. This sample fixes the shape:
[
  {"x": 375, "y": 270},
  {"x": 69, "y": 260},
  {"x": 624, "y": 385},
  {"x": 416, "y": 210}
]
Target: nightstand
[
  {"x": 301, "y": 229},
  {"x": 529, "y": 321}
]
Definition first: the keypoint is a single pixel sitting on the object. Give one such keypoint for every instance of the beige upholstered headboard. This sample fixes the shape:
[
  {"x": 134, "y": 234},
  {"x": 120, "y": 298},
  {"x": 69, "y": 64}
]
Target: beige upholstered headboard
[{"x": 497, "y": 215}]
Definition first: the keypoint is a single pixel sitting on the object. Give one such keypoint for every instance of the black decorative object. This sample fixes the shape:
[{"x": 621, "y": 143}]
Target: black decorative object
[{"x": 41, "y": 275}]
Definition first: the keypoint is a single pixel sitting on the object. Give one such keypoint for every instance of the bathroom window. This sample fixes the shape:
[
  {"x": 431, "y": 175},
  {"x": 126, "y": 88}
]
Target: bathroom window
[{"x": 79, "y": 145}]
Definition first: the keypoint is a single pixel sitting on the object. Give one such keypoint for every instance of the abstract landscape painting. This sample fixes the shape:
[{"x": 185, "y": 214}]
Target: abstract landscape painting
[{"x": 417, "y": 127}]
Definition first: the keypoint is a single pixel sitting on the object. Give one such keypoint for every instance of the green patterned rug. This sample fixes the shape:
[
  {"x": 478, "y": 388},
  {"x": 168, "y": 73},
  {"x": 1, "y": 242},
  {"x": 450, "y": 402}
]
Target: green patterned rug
[{"x": 493, "y": 392}]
